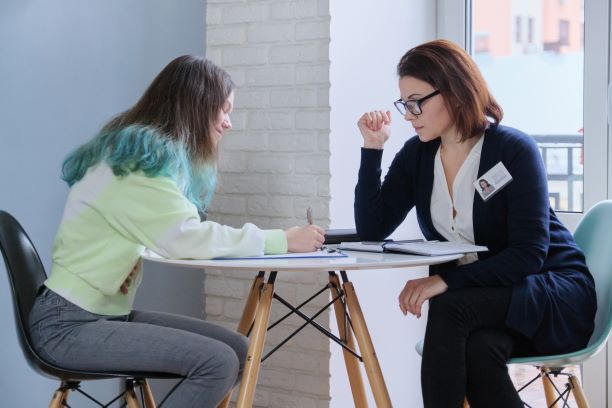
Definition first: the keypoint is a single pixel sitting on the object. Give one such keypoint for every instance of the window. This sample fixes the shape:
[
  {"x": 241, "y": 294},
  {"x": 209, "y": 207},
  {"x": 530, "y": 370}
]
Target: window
[{"x": 544, "y": 97}]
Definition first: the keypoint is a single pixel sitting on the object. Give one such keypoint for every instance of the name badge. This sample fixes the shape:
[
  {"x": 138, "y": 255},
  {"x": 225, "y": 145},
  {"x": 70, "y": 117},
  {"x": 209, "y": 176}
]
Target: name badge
[{"x": 492, "y": 181}]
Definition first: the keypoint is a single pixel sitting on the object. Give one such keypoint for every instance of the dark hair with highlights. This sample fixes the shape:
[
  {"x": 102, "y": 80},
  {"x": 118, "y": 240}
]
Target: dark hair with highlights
[
  {"x": 166, "y": 133},
  {"x": 182, "y": 102},
  {"x": 449, "y": 69}
]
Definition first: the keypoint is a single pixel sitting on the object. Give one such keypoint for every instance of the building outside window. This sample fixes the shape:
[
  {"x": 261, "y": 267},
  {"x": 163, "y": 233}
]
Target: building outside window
[
  {"x": 542, "y": 67},
  {"x": 518, "y": 29}
]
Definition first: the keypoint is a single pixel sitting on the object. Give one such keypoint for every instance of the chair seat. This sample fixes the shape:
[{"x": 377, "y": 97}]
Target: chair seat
[
  {"x": 54, "y": 372},
  {"x": 560, "y": 360},
  {"x": 88, "y": 376},
  {"x": 551, "y": 361}
]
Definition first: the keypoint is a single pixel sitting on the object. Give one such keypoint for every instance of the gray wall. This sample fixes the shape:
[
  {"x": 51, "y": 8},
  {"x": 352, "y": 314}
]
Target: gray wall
[{"x": 66, "y": 67}]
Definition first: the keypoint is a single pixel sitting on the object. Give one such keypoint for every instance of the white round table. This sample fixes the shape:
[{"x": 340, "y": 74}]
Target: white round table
[
  {"x": 354, "y": 260},
  {"x": 256, "y": 313}
]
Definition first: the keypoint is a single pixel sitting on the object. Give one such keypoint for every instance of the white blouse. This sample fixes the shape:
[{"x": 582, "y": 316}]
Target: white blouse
[{"x": 459, "y": 228}]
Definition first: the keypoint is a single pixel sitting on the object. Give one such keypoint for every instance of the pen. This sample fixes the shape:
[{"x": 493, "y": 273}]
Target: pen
[{"x": 309, "y": 215}]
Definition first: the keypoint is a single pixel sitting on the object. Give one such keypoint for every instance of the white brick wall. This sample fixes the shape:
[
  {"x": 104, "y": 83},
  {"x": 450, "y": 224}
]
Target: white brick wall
[{"x": 273, "y": 165}]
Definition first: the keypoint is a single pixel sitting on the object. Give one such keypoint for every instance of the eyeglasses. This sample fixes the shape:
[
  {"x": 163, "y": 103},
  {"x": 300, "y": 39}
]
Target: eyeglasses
[{"x": 413, "y": 106}]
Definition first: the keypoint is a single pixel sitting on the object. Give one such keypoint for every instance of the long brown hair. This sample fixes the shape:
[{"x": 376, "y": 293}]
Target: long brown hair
[
  {"x": 181, "y": 103},
  {"x": 448, "y": 68}
]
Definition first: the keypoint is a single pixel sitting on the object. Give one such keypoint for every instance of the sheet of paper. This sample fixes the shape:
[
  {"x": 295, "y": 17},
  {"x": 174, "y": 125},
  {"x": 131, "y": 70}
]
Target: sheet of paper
[
  {"x": 292, "y": 255},
  {"x": 324, "y": 253}
]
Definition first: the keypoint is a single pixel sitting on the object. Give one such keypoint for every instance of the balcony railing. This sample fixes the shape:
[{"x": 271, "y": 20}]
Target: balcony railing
[{"x": 563, "y": 159}]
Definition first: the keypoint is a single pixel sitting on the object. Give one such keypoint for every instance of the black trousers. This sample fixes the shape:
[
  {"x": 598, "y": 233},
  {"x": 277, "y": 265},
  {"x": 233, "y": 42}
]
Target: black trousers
[{"x": 466, "y": 348}]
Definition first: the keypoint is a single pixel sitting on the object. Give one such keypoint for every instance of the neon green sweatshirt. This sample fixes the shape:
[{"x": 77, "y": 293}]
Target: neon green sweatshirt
[{"x": 108, "y": 221}]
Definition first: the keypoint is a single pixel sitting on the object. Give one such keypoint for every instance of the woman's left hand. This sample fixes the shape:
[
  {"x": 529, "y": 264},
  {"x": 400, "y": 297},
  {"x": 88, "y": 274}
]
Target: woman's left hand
[{"x": 418, "y": 291}]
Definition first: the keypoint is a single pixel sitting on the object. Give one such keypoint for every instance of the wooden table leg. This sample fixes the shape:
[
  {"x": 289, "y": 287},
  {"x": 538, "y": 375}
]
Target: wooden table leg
[
  {"x": 250, "y": 307},
  {"x": 256, "y": 345},
  {"x": 377, "y": 382},
  {"x": 248, "y": 316},
  {"x": 352, "y": 363}
]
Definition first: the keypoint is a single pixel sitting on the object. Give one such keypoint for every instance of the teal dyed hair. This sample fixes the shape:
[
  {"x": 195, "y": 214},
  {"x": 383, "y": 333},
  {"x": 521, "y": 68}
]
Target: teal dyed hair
[{"x": 140, "y": 148}]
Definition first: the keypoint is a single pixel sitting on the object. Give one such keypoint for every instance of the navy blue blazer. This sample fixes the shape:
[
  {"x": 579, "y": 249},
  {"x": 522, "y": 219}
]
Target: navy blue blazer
[{"x": 553, "y": 293}]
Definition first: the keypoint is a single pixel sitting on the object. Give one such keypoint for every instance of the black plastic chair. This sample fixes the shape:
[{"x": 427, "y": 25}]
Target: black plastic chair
[{"x": 26, "y": 275}]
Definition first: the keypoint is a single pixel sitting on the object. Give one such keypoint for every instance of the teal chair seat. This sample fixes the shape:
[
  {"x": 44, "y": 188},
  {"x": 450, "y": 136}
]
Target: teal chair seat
[{"x": 594, "y": 237}]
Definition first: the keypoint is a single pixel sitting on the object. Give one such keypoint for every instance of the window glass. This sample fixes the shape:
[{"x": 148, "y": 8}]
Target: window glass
[{"x": 531, "y": 53}]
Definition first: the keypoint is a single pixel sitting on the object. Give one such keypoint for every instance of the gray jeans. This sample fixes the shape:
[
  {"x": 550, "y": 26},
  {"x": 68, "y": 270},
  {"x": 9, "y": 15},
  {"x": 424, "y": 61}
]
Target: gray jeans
[{"x": 208, "y": 356}]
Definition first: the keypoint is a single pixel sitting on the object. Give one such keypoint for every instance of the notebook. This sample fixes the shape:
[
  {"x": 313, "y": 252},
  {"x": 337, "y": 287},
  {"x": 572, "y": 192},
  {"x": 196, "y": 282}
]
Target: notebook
[{"x": 413, "y": 247}]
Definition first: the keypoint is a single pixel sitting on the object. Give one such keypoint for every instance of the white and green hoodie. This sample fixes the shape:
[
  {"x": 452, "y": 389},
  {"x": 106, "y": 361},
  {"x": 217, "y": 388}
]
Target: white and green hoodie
[{"x": 108, "y": 221}]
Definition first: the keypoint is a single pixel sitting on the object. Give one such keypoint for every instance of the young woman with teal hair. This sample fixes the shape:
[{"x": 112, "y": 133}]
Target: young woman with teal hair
[{"x": 143, "y": 182}]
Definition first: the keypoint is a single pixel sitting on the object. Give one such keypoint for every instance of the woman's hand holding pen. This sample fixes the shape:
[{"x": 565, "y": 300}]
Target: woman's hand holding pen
[
  {"x": 308, "y": 238},
  {"x": 418, "y": 291},
  {"x": 374, "y": 127}
]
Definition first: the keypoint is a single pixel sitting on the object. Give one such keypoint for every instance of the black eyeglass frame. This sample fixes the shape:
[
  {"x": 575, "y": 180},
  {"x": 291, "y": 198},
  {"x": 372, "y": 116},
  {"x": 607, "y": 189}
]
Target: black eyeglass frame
[{"x": 413, "y": 106}]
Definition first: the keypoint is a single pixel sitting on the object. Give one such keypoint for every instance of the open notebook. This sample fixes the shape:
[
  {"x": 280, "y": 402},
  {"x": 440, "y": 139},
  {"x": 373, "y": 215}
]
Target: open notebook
[{"x": 416, "y": 247}]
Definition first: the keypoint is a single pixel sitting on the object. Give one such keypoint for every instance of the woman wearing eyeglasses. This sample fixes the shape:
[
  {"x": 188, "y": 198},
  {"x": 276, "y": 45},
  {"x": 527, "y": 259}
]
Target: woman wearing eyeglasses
[{"x": 531, "y": 293}]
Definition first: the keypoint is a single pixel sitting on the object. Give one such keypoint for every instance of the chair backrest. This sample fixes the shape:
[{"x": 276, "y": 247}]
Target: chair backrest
[
  {"x": 26, "y": 274},
  {"x": 594, "y": 237}
]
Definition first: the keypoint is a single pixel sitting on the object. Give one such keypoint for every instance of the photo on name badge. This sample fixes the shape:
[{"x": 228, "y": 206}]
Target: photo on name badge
[{"x": 492, "y": 181}]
